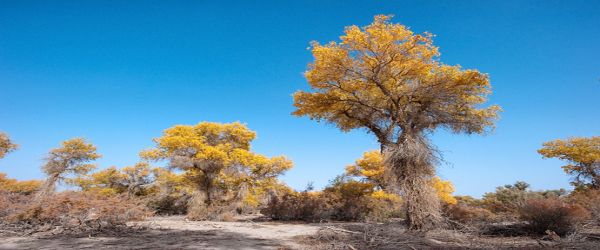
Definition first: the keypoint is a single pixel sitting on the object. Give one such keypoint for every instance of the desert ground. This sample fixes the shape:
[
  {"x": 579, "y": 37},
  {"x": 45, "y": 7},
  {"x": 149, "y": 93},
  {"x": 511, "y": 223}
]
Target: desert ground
[
  {"x": 174, "y": 232},
  {"x": 251, "y": 232}
]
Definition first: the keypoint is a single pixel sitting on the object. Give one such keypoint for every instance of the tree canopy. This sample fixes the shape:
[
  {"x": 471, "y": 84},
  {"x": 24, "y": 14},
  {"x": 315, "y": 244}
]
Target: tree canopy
[
  {"x": 583, "y": 158},
  {"x": 218, "y": 157},
  {"x": 387, "y": 79},
  {"x": 6, "y": 145},
  {"x": 73, "y": 157}
]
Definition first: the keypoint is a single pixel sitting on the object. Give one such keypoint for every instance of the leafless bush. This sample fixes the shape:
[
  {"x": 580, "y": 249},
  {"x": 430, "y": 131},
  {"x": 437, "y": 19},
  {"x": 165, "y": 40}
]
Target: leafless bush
[
  {"x": 78, "y": 211},
  {"x": 589, "y": 199},
  {"x": 307, "y": 206},
  {"x": 197, "y": 209},
  {"x": 468, "y": 214},
  {"x": 552, "y": 214}
]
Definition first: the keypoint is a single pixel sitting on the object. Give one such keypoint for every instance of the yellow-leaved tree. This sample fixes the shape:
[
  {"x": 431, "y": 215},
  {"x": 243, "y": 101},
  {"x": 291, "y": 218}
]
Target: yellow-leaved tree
[
  {"x": 72, "y": 158},
  {"x": 217, "y": 157},
  {"x": 6, "y": 145},
  {"x": 583, "y": 157},
  {"x": 388, "y": 80},
  {"x": 370, "y": 168},
  {"x": 134, "y": 180},
  {"x": 15, "y": 186}
]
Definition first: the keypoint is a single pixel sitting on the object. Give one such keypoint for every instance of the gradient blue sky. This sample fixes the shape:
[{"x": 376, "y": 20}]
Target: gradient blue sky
[{"x": 119, "y": 72}]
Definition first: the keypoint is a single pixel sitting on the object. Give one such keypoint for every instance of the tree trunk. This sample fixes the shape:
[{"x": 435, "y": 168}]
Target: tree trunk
[
  {"x": 208, "y": 186},
  {"x": 47, "y": 188},
  {"x": 410, "y": 167}
]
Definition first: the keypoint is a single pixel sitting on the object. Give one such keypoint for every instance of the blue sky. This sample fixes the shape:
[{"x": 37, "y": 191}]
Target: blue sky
[{"x": 118, "y": 73}]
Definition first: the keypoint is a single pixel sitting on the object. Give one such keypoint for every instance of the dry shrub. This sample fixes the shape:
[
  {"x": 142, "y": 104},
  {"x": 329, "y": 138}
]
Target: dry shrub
[
  {"x": 198, "y": 210},
  {"x": 552, "y": 214},
  {"x": 345, "y": 201},
  {"x": 589, "y": 199},
  {"x": 468, "y": 214},
  {"x": 307, "y": 206},
  {"x": 168, "y": 204},
  {"x": 11, "y": 203},
  {"x": 80, "y": 211}
]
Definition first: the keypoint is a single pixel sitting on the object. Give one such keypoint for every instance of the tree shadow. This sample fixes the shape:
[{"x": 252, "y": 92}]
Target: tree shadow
[{"x": 144, "y": 239}]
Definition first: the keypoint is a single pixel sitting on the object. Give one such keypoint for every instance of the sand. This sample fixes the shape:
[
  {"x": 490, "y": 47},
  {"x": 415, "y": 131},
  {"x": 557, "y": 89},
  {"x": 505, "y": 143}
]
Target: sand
[{"x": 175, "y": 232}]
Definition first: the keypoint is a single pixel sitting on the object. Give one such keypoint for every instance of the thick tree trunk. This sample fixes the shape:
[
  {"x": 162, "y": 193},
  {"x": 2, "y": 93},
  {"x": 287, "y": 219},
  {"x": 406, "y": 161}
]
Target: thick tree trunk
[{"x": 410, "y": 166}]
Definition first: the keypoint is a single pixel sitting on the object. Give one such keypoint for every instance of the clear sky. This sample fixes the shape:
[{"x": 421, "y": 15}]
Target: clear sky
[{"x": 119, "y": 72}]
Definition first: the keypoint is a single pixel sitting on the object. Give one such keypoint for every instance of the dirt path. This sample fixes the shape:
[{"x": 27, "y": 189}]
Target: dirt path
[{"x": 177, "y": 233}]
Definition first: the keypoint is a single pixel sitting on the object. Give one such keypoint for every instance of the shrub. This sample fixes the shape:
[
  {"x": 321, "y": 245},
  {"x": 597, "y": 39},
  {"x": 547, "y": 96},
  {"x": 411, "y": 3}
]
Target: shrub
[
  {"x": 552, "y": 214},
  {"x": 346, "y": 201},
  {"x": 80, "y": 211},
  {"x": 589, "y": 199},
  {"x": 15, "y": 186},
  {"x": 468, "y": 214},
  {"x": 11, "y": 203},
  {"x": 307, "y": 206}
]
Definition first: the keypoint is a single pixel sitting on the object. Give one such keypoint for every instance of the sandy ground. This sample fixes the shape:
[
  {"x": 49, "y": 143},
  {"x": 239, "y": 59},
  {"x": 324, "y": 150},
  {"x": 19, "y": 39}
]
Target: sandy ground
[{"x": 177, "y": 233}]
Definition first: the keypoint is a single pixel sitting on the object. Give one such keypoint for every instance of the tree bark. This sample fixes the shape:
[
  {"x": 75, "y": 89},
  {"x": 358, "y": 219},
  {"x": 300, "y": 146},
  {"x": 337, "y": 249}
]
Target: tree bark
[
  {"x": 410, "y": 166},
  {"x": 47, "y": 188}
]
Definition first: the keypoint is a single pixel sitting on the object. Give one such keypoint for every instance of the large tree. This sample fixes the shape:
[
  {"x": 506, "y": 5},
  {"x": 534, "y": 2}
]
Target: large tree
[
  {"x": 6, "y": 145},
  {"x": 387, "y": 79},
  {"x": 218, "y": 158},
  {"x": 73, "y": 157},
  {"x": 582, "y": 155}
]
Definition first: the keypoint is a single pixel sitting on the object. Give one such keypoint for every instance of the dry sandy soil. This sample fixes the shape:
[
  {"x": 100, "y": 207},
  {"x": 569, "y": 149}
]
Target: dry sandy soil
[{"x": 177, "y": 233}]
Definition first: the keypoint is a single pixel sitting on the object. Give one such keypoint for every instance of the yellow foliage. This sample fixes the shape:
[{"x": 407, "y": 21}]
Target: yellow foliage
[
  {"x": 383, "y": 76},
  {"x": 134, "y": 180},
  {"x": 6, "y": 145},
  {"x": 583, "y": 156},
  {"x": 369, "y": 167},
  {"x": 71, "y": 158},
  {"x": 380, "y": 194},
  {"x": 15, "y": 186},
  {"x": 372, "y": 170},
  {"x": 444, "y": 190},
  {"x": 218, "y": 159}
]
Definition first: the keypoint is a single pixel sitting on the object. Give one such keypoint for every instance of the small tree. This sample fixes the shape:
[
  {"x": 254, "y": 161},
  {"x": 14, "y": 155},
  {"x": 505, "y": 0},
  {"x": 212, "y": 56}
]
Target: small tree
[
  {"x": 6, "y": 145},
  {"x": 583, "y": 157},
  {"x": 217, "y": 157},
  {"x": 134, "y": 180},
  {"x": 386, "y": 79},
  {"x": 72, "y": 157}
]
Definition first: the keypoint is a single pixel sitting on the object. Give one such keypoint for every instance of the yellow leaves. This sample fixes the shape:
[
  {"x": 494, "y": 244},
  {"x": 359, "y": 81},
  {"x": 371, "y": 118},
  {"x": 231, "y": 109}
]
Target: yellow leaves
[
  {"x": 6, "y": 145},
  {"x": 582, "y": 154},
  {"x": 576, "y": 149},
  {"x": 217, "y": 156},
  {"x": 15, "y": 186},
  {"x": 370, "y": 166},
  {"x": 71, "y": 158},
  {"x": 382, "y": 195},
  {"x": 372, "y": 169},
  {"x": 444, "y": 190},
  {"x": 384, "y": 77}
]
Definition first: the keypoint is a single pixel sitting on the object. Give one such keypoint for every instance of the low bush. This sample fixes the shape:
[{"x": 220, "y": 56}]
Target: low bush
[
  {"x": 468, "y": 214},
  {"x": 307, "y": 206},
  {"x": 589, "y": 199},
  {"x": 78, "y": 211},
  {"x": 343, "y": 201},
  {"x": 552, "y": 214},
  {"x": 16, "y": 186},
  {"x": 11, "y": 203}
]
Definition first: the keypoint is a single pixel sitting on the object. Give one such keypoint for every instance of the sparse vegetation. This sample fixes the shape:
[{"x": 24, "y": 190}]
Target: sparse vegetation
[{"x": 382, "y": 78}]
